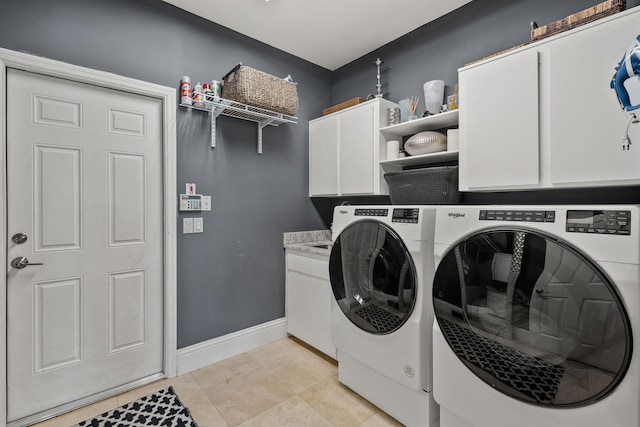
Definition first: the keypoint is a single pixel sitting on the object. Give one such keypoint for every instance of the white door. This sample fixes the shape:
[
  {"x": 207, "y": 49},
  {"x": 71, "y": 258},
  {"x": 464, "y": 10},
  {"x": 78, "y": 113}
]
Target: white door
[{"x": 84, "y": 184}]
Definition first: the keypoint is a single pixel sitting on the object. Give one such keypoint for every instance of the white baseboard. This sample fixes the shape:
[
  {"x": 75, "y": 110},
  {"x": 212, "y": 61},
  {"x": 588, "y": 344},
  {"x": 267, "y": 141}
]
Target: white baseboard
[{"x": 212, "y": 351}]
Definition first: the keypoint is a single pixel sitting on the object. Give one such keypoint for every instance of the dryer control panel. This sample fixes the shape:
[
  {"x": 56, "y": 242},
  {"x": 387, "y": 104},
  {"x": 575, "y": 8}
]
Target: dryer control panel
[
  {"x": 521, "y": 216},
  {"x": 406, "y": 215},
  {"x": 599, "y": 222}
]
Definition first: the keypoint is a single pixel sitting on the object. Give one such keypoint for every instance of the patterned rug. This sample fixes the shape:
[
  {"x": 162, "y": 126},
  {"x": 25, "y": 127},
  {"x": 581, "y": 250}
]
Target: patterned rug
[
  {"x": 527, "y": 374},
  {"x": 162, "y": 408}
]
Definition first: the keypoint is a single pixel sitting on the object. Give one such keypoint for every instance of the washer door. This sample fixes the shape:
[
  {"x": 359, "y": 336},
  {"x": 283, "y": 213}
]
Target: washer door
[
  {"x": 373, "y": 277},
  {"x": 532, "y": 317}
]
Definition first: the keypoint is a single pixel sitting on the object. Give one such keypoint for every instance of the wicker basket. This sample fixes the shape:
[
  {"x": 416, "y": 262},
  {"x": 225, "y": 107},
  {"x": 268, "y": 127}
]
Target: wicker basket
[
  {"x": 427, "y": 186},
  {"x": 259, "y": 89},
  {"x": 594, "y": 13}
]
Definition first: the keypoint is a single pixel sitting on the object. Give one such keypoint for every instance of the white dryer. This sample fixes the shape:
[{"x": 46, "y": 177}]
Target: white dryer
[
  {"x": 381, "y": 270},
  {"x": 536, "y": 309}
]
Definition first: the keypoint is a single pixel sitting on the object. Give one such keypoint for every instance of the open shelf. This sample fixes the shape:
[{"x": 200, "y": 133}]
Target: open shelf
[
  {"x": 226, "y": 107},
  {"x": 423, "y": 159},
  {"x": 437, "y": 121},
  {"x": 446, "y": 120}
]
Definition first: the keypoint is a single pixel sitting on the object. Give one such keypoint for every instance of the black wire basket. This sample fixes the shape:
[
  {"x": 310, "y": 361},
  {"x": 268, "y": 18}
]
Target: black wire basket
[{"x": 427, "y": 186}]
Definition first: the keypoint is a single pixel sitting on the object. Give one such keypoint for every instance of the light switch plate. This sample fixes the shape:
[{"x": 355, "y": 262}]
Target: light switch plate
[
  {"x": 198, "y": 226},
  {"x": 187, "y": 225}
]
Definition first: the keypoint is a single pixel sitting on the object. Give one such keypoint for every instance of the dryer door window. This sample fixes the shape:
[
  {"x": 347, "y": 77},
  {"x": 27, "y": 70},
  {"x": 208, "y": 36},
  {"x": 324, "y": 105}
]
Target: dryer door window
[
  {"x": 532, "y": 317},
  {"x": 373, "y": 277}
]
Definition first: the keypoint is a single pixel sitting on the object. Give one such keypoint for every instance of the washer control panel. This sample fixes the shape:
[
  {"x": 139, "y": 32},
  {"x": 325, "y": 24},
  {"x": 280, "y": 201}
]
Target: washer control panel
[
  {"x": 371, "y": 212},
  {"x": 520, "y": 216},
  {"x": 599, "y": 222},
  {"x": 405, "y": 215}
]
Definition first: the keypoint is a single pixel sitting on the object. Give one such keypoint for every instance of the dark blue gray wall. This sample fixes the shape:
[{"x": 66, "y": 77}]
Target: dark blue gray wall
[{"x": 232, "y": 276}]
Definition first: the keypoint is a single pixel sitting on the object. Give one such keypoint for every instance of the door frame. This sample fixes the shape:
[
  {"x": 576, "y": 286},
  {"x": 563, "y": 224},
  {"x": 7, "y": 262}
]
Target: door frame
[{"x": 167, "y": 95}]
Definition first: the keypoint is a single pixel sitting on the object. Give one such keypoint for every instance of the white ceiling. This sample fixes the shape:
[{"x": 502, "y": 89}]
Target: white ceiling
[{"x": 329, "y": 33}]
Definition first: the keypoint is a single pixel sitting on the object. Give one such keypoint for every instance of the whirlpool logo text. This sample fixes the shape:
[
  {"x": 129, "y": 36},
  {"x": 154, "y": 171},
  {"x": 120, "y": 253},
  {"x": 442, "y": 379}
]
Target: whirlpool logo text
[{"x": 455, "y": 215}]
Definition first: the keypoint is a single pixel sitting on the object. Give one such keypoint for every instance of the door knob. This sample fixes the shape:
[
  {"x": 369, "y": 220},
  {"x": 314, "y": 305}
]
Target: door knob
[
  {"x": 19, "y": 238},
  {"x": 21, "y": 262}
]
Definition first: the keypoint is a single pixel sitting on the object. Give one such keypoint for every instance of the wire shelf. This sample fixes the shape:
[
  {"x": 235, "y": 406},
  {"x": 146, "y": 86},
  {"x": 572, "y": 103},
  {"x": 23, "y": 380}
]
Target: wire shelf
[{"x": 226, "y": 107}]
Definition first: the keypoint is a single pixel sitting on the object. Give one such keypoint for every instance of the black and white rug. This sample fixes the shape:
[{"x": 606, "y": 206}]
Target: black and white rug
[
  {"x": 162, "y": 408},
  {"x": 533, "y": 377}
]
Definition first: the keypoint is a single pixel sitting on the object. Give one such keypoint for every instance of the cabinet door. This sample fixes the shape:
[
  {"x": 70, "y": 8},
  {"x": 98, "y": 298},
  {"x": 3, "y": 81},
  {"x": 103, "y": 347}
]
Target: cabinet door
[
  {"x": 499, "y": 144},
  {"x": 308, "y": 301},
  {"x": 586, "y": 121},
  {"x": 323, "y": 156},
  {"x": 356, "y": 150}
]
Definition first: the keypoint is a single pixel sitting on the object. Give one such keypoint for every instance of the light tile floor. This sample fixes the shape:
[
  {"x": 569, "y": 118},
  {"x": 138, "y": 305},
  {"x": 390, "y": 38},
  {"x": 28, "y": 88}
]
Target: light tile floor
[{"x": 281, "y": 384}]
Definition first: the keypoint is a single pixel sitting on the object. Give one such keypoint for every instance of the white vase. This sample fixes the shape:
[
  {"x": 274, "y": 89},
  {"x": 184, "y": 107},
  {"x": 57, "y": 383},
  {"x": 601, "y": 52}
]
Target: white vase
[{"x": 433, "y": 95}]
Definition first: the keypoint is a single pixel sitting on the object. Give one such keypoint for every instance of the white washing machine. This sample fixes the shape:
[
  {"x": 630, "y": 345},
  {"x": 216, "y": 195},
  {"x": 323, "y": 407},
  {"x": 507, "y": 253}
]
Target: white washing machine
[
  {"x": 381, "y": 270},
  {"x": 535, "y": 313}
]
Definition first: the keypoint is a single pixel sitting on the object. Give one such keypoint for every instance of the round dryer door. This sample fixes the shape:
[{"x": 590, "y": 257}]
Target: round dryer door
[
  {"x": 373, "y": 277},
  {"x": 532, "y": 317}
]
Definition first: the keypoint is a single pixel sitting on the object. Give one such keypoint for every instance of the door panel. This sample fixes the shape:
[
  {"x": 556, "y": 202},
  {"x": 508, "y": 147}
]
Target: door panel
[
  {"x": 57, "y": 112},
  {"x": 126, "y": 310},
  {"x": 57, "y": 186},
  {"x": 84, "y": 174},
  {"x": 58, "y": 321},
  {"x": 126, "y": 199}
]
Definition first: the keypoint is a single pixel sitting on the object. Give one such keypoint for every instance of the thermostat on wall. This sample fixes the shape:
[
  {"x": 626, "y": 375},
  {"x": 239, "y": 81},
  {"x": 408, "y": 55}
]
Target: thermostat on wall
[{"x": 190, "y": 202}]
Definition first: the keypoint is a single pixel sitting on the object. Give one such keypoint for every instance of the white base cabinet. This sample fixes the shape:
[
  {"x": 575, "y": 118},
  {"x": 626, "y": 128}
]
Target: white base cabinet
[
  {"x": 308, "y": 299},
  {"x": 545, "y": 116},
  {"x": 345, "y": 150}
]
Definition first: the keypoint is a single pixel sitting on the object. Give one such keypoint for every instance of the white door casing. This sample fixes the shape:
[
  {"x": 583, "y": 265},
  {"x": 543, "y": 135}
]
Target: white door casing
[{"x": 166, "y": 107}]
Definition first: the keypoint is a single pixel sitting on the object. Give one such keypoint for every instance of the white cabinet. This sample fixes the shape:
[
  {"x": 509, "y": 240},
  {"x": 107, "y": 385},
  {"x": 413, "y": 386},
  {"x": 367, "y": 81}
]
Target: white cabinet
[
  {"x": 308, "y": 299},
  {"x": 344, "y": 151},
  {"x": 499, "y": 123},
  {"x": 545, "y": 116},
  {"x": 585, "y": 121}
]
